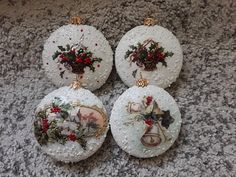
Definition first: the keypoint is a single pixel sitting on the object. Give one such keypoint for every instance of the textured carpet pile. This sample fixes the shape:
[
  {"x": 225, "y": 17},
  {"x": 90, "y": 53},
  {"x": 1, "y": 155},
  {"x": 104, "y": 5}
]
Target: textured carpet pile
[{"x": 205, "y": 90}]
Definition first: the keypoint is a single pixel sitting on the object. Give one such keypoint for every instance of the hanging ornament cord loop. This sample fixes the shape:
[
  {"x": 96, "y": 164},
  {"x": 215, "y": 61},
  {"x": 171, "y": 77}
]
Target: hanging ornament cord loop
[
  {"x": 76, "y": 84},
  {"x": 149, "y": 22},
  {"x": 142, "y": 82},
  {"x": 77, "y": 20}
]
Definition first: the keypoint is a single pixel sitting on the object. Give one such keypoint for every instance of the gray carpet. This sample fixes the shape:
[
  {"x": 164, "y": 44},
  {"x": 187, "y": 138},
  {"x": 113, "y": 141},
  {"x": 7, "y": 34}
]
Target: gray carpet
[{"x": 205, "y": 90}]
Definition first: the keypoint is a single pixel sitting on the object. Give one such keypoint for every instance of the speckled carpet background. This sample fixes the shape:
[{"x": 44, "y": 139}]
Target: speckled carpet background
[{"x": 205, "y": 90}]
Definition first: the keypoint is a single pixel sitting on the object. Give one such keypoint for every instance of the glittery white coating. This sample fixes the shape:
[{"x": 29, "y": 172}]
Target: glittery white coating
[
  {"x": 128, "y": 137},
  {"x": 162, "y": 76},
  {"x": 96, "y": 43},
  {"x": 72, "y": 151}
]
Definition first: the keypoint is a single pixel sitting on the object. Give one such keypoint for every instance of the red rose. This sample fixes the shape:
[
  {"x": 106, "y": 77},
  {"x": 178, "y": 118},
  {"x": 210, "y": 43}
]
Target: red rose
[
  {"x": 87, "y": 61},
  {"x": 84, "y": 55},
  {"x": 63, "y": 58},
  {"x": 45, "y": 125},
  {"x": 71, "y": 137},
  {"x": 55, "y": 109},
  {"x": 149, "y": 121},
  {"x": 149, "y": 100},
  {"x": 160, "y": 56},
  {"x": 79, "y": 60}
]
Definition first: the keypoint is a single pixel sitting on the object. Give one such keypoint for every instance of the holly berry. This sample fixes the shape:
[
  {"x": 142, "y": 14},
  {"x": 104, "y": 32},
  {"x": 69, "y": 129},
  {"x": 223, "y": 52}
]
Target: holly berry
[
  {"x": 150, "y": 56},
  {"x": 45, "y": 125},
  {"x": 84, "y": 55},
  {"x": 149, "y": 121},
  {"x": 78, "y": 60},
  {"x": 160, "y": 56},
  {"x": 55, "y": 109},
  {"x": 72, "y": 137},
  {"x": 87, "y": 61},
  {"x": 72, "y": 52},
  {"x": 63, "y": 58},
  {"x": 149, "y": 100}
]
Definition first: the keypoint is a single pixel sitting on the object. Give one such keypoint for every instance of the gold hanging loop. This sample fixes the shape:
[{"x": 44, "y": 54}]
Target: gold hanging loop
[
  {"x": 76, "y": 84},
  {"x": 77, "y": 20},
  {"x": 149, "y": 21},
  {"x": 142, "y": 82}
]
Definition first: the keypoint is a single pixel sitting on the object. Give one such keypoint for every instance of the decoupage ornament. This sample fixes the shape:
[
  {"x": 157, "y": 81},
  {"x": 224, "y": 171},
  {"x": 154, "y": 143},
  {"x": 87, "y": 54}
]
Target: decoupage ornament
[
  {"x": 81, "y": 50},
  {"x": 145, "y": 120},
  {"x": 152, "y": 50},
  {"x": 71, "y": 122}
]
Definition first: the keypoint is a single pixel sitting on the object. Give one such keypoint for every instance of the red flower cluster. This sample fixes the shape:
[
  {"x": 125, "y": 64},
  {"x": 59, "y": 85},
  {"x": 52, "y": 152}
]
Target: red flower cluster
[
  {"x": 72, "y": 137},
  {"x": 45, "y": 125},
  {"x": 149, "y": 121},
  {"x": 55, "y": 109},
  {"x": 149, "y": 100}
]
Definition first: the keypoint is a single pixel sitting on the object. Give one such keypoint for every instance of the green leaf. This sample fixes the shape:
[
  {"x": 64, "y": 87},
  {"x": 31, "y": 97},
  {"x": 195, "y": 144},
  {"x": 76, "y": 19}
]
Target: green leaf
[
  {"x": 61, "y": 48},
  {"x": 64, "y": 114},
  {"x": 134, "y": 73},
  {"x": 42, "y": 114},
  {"x": 167, "y": 119},
  {"x": 67, "y": 47},
  {"x": 127, "y": 54},
  {"x": 66, "y": 106},
  {"x": 155, "y": 105},
  {"x": 55, "y": 55},
  {"x": 92, "y": 68},
  {"x": 169, "y": 54}
]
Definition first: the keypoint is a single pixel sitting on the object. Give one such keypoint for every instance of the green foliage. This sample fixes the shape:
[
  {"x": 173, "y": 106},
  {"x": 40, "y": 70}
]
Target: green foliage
[
  {"x": 55, "y": 55},
  {"x": 61, "y": 48}
]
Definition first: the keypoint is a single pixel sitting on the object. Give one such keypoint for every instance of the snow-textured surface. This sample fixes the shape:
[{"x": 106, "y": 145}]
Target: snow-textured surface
[
  {"x": 204, "y": 91},
  {"x": 128, "y": 136},
  {"x": 89, "y": 37},
  {"x": 72, "y": 151},
  {"x": 162, "y": 76}
]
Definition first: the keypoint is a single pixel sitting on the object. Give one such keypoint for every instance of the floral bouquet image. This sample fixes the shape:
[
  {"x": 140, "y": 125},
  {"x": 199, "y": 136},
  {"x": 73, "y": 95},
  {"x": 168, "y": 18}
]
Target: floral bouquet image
[
  {"x": 148, "y": 55},
  {"x": 75, "y": 58}
]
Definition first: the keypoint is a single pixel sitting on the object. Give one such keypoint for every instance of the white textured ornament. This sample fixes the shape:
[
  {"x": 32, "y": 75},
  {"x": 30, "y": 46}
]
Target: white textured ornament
[
  {"x": 151, "y": 50},
  {"x": 70, "y": 124},
  {"x": 145, "y": 121},
  {"x": 78, "y": 50}
]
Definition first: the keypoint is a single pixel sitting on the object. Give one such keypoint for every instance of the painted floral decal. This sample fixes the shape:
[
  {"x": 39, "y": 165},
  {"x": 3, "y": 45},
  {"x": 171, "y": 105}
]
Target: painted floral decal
[
  {"x": 75, "y": 59},
  {"x": 157, "y": 121},
  {"x": 61, "y": 122},
  {"x": 148, "y": 55}
]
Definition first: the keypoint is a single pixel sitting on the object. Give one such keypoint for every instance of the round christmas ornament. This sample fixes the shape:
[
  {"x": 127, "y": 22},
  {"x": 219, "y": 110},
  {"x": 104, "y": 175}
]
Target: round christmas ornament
[
  {"x": 152, "y": 50},
  {"x": 71, "y": 122},
  {"x": 145, "y": 120},
  {"x": 76, "y": 49}
]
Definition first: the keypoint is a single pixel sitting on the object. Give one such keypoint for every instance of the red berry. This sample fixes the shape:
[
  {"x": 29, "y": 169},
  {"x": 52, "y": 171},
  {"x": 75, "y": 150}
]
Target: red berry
[
  {"x": 45, "y": 125},
  {"x": 160, "y": 56},
  {"x": 87, "y": 61},
  {"x": 149, "y": 100},
  {"x": 150, "y": 56},
  {"x": 72, "y": 51},
  {"x": 84, "y": 55},
  {"x": 72, "y": 137},
  {"x": 149, "y": 121},
  {"x": 55, "y": 109},
  {"x": 78, "y": 60}
]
